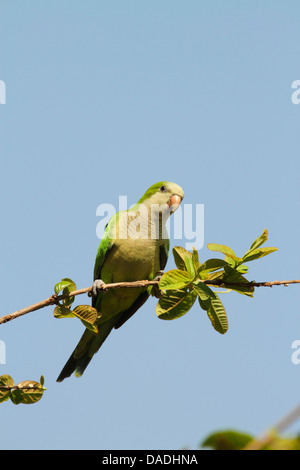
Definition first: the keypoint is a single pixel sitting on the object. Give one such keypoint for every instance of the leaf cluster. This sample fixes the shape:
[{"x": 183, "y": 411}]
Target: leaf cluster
[
  {"x": 26, "y": 392},
  {"x": 86, "y": 313},
  {"x": 182, "y": 286}
]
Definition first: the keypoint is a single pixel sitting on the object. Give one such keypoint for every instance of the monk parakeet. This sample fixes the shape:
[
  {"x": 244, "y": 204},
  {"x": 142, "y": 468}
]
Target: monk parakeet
[{"x": 135, "y": 246}]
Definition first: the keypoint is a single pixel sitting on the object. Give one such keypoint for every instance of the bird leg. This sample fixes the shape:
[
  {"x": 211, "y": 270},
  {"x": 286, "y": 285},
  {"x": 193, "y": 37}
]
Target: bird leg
[
  {"x": 96, "y": 287},
  {"x": 156, "y": 292}
]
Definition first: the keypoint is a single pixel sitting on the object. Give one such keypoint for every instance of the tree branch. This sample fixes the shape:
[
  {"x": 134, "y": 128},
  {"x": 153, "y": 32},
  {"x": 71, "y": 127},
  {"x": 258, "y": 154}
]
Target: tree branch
[
  {"x": 269, "y": 436},
  {"x": 54, "y": 299}
]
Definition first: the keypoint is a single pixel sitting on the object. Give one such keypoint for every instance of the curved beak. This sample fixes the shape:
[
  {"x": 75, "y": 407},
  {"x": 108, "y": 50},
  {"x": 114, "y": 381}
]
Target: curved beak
[{"x": 174, "y": 202}]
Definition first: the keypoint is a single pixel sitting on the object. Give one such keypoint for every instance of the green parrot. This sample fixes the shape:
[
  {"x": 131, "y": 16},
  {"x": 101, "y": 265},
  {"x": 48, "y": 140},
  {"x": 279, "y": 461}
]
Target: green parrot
[{"x": 135, "y": 246}]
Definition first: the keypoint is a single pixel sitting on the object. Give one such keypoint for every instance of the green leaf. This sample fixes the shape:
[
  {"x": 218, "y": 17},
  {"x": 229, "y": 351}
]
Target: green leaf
[
  {"x": 209, "y": 266},
  {"x": 227, "y": 440},
  {"x": 212, "y": 264},
  {"x": 66, "y": 291},
  {"x": 174, "y": 279},
  {"x": 27, "y": 392},
  {"x": 242, "y": 290},
  {"x": 204, "y": 293},
  {"x": 233, "y": 275},
  {"x": 260, "y": 240},
  {"x": 231, "y": 261},
  {"x": 254, "y": 252},
  {"x": 203, "y": 290},
  {"x": 63, "y": 284},
  {"x": 195, "y": 259},
  {"x": 86, "y": 312},
  {"x": 88, "y": 315},
  {"x": 61, "y": 311},
  {"x": 184, "y": 260},
  {"x": 175, "y": 304},
  {"x": 189, "y": 265},
  {"x": 180, "y": 255},
  {"x": 6, "y": 382},
  {"x": 223, "y": 249},
  {"x": 89, "y": 326},
  {"x": 67, "y": 286},
  {"x": 234, "y": 440},
  {"x": 242, "y": 268},
  {"x": 204, "y": 304},
  {"x": 214, "y": 275},
  {"x": 282, "y": 443},
  {"x": 16, "y": 396},
  {"x": 217, "y": 315},
  {"x": 258, "y": 253}
]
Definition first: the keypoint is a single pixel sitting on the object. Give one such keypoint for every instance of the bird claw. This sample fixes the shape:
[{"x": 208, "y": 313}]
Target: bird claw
[
  {"x": 156, "y": 292},
  {"x": 96, "y": 287},
  {"x": 158, "y": 275}
]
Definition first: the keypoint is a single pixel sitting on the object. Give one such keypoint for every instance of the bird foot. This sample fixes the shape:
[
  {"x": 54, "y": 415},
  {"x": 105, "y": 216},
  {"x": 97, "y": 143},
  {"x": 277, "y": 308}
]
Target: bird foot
[
  {"x": 96, "y": 287},
  {"x": 158, "y": 275},
  {"x": 156, "y": 292}
]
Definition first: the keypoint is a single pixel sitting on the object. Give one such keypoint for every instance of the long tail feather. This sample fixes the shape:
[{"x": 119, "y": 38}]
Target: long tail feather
[{"x": 88, "y": 345}]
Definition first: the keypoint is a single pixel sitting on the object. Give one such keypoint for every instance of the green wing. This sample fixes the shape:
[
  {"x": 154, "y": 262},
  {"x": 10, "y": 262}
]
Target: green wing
[
  {"x": 163, "y": 258},
  {"x": 164, "y": 254},
  {"x": 105, "y": 246}
]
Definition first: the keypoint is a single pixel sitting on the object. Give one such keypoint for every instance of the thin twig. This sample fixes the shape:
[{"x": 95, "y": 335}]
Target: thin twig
[
  {"x": 7, "y": 388},
  {"x": 269, "y": 436},
  {"x": 54, "y": 299}
]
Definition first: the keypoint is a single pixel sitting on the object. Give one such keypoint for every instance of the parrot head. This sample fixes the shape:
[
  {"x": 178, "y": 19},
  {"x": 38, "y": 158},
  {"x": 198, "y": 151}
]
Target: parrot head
[{"x": 166, "y": 196}]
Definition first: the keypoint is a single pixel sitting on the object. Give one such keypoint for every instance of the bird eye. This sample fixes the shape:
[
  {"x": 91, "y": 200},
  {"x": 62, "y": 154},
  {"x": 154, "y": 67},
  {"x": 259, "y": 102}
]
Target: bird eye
[{"x": 163, "y": 189}]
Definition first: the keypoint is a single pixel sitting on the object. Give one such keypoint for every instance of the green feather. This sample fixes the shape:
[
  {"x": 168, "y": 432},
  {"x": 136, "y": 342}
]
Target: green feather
[{"x": 152, "y": 190}]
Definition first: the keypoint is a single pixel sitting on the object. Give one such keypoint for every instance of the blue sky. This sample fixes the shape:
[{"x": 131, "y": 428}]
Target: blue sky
[{"x": 104, "y": 99}]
